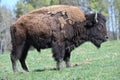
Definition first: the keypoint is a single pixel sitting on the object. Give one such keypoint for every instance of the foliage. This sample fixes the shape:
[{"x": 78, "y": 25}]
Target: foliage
[
  {"x": 38, "y": 3},
  {"x": 69, "y": 2},
  {"x": 25, "y": 6},
  {"x": 54, "y": 2},
  {"x": 99, "y": 6},
  {"x": 117, "y": 4},
  {"x": 22, "y": 8},
  {"x": 88, "y": 63},
  {"x": 117, "y": 7}
]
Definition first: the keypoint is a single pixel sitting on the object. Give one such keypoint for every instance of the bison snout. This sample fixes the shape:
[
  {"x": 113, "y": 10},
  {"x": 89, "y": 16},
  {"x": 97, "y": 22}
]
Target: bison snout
[{"x": 105, "y": 38}]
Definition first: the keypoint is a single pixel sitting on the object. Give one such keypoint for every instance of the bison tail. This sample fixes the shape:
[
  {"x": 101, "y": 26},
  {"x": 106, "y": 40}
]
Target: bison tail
[{"x": 12, "y": 32}]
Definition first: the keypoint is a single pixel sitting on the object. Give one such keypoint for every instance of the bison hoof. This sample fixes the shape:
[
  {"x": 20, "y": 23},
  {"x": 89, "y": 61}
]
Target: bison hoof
[
  {"x": 68, "y": 64},
  {"x": 15, "y": 71},
  {"x": 59, "y": 67},
  {"x": 26, "y": 70}
]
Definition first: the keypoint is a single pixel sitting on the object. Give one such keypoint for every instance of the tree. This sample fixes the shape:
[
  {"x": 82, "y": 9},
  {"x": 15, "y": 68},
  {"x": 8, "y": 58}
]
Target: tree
[
  {"x": 70, "y": 2},
  {"x": 6, "y": 20},
  {"x": 113, "y": 10},
  {"x": 40, "y": 3},
  {"x": 25, "y": 6},
  {"x": 117, "y": 7},
  {"x": 22, "y": 8},
  {"x": 54, "y": 2}
]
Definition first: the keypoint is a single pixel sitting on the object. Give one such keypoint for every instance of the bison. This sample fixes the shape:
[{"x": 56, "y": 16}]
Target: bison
[{"x": 61, "y": 28}]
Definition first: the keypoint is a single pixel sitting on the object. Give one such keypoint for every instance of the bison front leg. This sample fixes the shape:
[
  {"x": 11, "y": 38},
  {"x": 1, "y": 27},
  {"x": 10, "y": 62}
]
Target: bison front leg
[
  {"x": 58, "y": 49},
  {"x": 67, "y": 58}
]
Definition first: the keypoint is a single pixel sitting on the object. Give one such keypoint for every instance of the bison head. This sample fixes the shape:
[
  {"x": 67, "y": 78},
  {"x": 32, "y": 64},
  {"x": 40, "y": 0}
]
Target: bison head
[{"x": 96, "y": 28}]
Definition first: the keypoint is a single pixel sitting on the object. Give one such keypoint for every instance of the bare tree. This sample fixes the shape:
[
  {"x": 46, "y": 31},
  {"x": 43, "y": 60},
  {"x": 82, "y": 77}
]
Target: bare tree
[
  {"x": 6, "y": 20},
  {"x": 113, "y": 20}
]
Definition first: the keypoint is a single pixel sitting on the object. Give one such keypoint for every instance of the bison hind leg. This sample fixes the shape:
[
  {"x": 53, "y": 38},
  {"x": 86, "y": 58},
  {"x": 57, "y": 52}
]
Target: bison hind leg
[
  {"x": 15, "y": 55},
  {"x": 23, "y": 56},
  {"x": 13, "y": 60}
]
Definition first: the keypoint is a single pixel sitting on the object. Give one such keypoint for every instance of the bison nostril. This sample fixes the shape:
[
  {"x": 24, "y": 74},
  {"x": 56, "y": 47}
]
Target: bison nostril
[{"x": 106, "y": 37}]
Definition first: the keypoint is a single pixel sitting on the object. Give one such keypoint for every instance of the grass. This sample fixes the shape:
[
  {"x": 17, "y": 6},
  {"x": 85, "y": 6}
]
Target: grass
[{"x": 88, "y": 63}]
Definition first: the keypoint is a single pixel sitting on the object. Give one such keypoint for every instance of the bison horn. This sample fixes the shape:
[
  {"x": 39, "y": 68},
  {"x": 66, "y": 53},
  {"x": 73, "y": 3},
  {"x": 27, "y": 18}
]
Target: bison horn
[{"x": 96, "y": 15}]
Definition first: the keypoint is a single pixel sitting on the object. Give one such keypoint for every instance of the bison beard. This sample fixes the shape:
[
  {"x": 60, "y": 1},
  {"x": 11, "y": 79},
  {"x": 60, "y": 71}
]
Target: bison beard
[{"x": 54, "y": 30}]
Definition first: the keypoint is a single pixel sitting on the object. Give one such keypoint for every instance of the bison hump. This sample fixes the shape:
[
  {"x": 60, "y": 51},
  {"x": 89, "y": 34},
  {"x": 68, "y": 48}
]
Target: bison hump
[{"x": 74, "y": 13}]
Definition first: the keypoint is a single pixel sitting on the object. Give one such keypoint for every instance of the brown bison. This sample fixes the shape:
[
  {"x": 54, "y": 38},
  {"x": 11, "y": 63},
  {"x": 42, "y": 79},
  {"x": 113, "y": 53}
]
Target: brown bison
[{"x": 61, "y": 28}]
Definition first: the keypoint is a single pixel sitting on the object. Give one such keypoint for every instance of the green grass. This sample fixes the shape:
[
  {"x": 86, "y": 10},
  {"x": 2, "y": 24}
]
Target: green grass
[{"x": 88, "y": 63}]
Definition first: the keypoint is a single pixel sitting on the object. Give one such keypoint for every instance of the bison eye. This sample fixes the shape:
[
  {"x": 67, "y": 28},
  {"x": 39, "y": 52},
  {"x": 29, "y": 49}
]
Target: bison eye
[{"x": 100, "y": 26}]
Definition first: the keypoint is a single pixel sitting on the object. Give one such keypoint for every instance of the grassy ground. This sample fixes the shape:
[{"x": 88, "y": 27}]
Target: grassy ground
[{"x": 88, "y": 63}]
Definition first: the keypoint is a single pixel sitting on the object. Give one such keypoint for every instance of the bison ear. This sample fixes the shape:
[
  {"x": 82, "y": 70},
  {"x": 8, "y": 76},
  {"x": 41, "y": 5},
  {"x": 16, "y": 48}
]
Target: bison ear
[
  {"x": 89, "y": 20},
  {"x": 89, "y": 24}
]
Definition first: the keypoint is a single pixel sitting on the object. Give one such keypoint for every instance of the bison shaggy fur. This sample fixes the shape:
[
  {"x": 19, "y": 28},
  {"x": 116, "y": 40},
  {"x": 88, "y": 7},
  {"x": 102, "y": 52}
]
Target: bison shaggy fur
[{"x": 60, "y": 27}]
